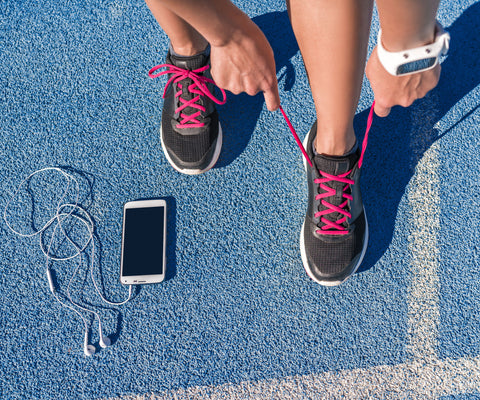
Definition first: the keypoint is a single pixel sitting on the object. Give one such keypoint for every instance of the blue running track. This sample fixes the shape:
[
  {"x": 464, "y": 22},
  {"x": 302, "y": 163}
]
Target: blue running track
[{"x": 237, "y": 318}]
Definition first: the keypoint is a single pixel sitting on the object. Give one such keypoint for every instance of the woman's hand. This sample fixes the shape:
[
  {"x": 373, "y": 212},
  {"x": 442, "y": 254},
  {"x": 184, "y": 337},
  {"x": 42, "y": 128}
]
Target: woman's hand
[
  {"x": 245, "y": 63},
  {"x": 392, "y": 90}
]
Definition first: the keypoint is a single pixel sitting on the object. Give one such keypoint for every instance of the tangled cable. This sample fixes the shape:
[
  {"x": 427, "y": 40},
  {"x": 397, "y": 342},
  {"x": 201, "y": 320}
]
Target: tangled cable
[{"x": 63, "y": 212}]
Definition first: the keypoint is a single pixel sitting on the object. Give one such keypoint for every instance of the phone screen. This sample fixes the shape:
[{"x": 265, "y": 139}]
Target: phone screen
[{"x": 143, "y": 241}]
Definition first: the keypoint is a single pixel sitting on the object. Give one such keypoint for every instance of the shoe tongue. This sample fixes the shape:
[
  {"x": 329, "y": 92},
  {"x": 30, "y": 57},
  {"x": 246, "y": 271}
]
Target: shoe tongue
[
  {"x": 333, "y": 165},
  {"x": 190, "y": 63}
]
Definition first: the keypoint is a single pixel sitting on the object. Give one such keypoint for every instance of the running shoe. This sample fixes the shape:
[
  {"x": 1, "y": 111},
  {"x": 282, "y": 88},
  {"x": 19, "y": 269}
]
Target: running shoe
[
  {"x": 334, "y": 234},
  {"x": 191, "y": 134}
]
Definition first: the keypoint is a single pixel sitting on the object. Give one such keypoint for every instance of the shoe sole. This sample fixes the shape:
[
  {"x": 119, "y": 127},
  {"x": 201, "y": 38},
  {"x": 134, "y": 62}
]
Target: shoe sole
[
  {"x": 187, "y": 171},
  {"x": 304, "y": 254},
  {"x": 332, "y": 283}
]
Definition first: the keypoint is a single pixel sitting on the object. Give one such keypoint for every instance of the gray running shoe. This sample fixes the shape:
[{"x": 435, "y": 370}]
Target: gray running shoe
[
  {"x": 191, "y": 134},
  {"x": 334, "y": 235}
]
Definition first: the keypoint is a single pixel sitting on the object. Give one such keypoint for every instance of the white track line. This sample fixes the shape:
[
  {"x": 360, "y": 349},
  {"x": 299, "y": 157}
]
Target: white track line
[
  {"x": 423, "y": 290},
  {"x": 415, "y": 380}
]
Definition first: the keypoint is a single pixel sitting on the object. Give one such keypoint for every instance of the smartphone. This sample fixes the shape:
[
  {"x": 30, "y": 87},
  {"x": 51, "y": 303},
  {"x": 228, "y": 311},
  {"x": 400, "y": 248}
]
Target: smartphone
[{"x": 143, "y": 242}]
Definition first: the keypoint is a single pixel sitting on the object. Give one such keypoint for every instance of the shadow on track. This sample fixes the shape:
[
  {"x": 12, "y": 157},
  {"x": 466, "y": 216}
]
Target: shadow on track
[
  {"x": 240, "y": 114},
  {"x": 398, "y": 142}
]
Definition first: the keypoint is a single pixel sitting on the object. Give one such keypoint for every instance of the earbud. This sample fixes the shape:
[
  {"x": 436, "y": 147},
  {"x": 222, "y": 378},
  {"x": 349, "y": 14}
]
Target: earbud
[
  {"x": 104, "y": 341},
  {"x": 50, "y": 281},
  {"x": 89, "y": 350}
]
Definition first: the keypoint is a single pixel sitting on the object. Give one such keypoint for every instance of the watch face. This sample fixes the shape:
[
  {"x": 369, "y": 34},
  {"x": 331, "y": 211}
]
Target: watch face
[{"x": 416, "y": 66}]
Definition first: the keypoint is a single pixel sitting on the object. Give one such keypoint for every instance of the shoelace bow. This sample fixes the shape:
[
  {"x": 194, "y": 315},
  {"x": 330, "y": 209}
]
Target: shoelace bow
[
  {"x": 198, "y": 87},
  {"x": 333, "y": 227}
]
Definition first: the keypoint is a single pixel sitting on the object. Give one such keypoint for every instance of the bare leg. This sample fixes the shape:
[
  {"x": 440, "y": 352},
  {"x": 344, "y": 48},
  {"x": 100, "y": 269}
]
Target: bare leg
[
  {"x": 184, "y": 38},
  {"x": 333, "y": 38}
]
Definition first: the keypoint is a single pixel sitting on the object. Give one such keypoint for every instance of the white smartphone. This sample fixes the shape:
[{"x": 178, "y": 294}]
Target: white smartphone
[{"x": 143, "y": 242}]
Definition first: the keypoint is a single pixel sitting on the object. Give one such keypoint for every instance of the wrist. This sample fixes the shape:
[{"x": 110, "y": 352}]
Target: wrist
[
  {"x": 413, "y": 59},
  {"x": 407, "y": 39},
  {"x": 229, "y": 26}
]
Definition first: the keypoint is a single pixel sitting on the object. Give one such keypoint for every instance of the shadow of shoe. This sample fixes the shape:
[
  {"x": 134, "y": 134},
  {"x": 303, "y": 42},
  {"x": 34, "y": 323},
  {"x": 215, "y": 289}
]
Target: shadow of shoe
[{"x": 398, "y": 142}]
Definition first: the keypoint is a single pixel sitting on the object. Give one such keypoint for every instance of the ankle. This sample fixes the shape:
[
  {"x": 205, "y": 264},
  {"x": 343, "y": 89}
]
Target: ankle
[
  {"x": 334, "y": 147},
  {"x": 334, "y": 136},
  {"x": 189, "y": 49}
]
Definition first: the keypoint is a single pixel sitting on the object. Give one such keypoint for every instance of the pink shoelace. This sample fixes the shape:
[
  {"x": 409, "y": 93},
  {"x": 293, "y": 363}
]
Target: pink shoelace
[
  {"x": 198, "y": 87},
  {"x": 333, "y": 227}
]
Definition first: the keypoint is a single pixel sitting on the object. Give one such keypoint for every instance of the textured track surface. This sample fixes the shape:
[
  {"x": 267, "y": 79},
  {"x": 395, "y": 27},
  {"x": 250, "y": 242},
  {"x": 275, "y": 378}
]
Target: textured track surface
[{"x": 238, "y": 318}]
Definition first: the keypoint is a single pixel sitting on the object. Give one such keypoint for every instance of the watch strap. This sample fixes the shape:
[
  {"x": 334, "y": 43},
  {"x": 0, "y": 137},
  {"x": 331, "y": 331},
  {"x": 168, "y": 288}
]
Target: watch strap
[{"x": 392, "y": 61}]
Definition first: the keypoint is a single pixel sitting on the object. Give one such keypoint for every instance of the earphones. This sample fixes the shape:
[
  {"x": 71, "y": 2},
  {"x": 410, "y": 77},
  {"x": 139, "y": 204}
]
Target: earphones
[{"x": 68, "y": 211}]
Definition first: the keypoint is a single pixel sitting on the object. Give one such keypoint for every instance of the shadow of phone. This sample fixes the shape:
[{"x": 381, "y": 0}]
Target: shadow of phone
[{"x": 171, "y": 268}]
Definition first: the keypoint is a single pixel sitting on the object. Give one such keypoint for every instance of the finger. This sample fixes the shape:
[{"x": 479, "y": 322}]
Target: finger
[
  {"x": 381, "y": 111},
  {"x": 272, "y": 98},
  {"x": 407, "y": 101},
  {"x": 251, "y": 89}
]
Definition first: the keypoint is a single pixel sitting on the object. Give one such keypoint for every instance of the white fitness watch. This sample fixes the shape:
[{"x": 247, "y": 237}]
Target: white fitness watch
[{"x": 414, "y": 60}]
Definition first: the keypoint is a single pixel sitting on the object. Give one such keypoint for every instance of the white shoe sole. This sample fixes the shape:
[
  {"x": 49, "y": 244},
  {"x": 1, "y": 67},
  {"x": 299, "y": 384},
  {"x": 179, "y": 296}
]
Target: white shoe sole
[
  {"x": 216, "y": 155},
  {"x": 331, "y": 283}
]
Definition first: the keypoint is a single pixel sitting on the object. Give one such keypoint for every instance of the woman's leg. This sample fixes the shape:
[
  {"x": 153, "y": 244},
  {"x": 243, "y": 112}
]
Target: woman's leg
[
  {"x": 184, "y": 39},
  {"x": 333, "y": 39}
]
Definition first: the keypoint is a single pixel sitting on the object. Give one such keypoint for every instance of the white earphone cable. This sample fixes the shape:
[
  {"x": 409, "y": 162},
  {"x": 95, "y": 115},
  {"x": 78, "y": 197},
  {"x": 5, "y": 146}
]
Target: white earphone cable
[{"x": 60, "y": 216}]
